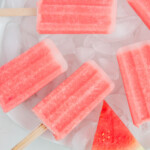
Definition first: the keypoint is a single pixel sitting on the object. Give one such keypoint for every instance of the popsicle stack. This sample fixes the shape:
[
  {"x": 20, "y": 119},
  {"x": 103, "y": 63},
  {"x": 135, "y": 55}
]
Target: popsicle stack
[
  {"x": 142, "y": 8},
  {"x": 76, "y": 16},
  {"x": 134, "y": 62},
  {"x": 28, "y": 73}
]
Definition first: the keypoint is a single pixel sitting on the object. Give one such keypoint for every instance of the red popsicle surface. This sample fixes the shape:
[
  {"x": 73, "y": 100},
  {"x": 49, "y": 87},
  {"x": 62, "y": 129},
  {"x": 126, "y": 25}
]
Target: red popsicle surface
[
  {"x": 74, "y": 99},
  {"x": 112, "y": 134},
  {"x": 142, "y": 8},
  {"x": 28, "y": 73},
  {"x": 76, "y": 16},
  {"x": 134, "y": 62}
]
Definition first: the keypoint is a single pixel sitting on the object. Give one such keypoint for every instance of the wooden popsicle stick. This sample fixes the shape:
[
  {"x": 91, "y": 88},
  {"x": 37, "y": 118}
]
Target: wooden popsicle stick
[
  {"x": 31, "y": 137},
  {"x": 7, "y": 12}
]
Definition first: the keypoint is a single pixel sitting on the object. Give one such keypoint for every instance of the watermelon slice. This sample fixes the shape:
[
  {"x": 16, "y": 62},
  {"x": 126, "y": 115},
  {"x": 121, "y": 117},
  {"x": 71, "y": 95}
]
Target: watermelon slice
[
  {"x": 76, "y": 16},
  {"x": 142, "y": 8},
  {"x": 112, "y": 134}
]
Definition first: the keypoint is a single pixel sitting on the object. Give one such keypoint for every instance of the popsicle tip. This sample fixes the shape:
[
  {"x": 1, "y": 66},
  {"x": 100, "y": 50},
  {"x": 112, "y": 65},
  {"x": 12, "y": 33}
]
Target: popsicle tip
[
  {"x": 57, "y": 54},
  {"x": 132, "y": 47},
  {"x": 94, "y": 64}
]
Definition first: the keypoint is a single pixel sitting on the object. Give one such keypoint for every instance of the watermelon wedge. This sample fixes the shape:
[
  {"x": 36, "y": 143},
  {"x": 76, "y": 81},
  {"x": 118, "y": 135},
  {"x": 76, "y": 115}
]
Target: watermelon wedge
[
  {"x": 142, "y": 8},
  {"x": 76, "y": 16},
  {"x": 112, "y": 134}
]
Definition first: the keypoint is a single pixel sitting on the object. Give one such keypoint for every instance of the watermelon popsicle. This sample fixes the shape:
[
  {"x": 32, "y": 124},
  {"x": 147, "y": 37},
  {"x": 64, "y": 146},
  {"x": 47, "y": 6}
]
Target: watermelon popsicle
[
  {"x": 134, "y": 62},
  {"x": 28, "y": 73},
  {"x": 112, "y": 134},
  {"x": 142, "y": 8},
  {"x": 67, "y": 105},
  {"x": 74, "y": 99},
  {"x": 75, "y": 16},
  {"x": 71, "y": 16}
]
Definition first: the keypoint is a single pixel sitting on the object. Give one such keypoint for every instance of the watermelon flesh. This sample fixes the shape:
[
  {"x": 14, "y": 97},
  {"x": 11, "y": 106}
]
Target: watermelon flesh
[
  {"x": 28, "y": 73},
  {"x": 112, "y": 134},
  {"x": 134, "y": 62},
  {"x": 67, "y": 105},
  {"x": 76, "y": 17},
  {"x": 142, "y": 8}
]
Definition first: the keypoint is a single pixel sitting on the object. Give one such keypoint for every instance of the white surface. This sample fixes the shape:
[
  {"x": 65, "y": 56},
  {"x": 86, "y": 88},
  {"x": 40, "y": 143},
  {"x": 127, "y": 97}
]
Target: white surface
[{"x": 19, "y": 34}]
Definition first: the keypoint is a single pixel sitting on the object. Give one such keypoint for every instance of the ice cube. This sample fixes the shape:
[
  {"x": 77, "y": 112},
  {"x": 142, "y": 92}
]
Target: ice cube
[
  {"x": 143, "y": 33},
  {"x": 119, "y": 104},
  {"x": 104, "y": 48},
  {"x": 125, "y": 30},
  {"x": 89, "y": 39},
  {"x": 83, "y": 138},
  {"x": 58, "y": 39},
  {"x": 145, "y": 135},
  {"x": 145, "y": 128},
  {"x": 28, "y": 41},
  {"x": 85, "y": 54},
  {"x": 66, "y": 46},
  {"x": 124, "y": 9},
  {"x": 110, "y": 67},
  {"x": 79, "y": 40},
  {"x": 73, "y": 63}
]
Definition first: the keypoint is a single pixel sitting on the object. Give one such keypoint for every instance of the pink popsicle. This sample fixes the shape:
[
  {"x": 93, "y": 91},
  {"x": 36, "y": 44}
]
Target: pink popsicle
[
  {"x": 76, "y": 16},
  {"x": 142, "y": 8},
  {"x": 28, "y": 73},
  {"x": 65, "y": 107},
  {"x": 134, "y": 62}
]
